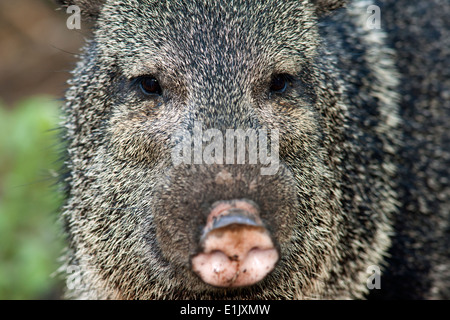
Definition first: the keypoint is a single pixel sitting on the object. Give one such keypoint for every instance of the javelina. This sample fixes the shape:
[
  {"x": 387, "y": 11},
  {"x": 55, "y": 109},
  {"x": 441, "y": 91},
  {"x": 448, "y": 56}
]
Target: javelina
[{"x": 353, "y": 120}]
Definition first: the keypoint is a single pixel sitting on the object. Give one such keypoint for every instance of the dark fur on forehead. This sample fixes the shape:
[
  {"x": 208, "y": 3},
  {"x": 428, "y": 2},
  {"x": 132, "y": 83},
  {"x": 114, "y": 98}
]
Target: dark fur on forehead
[{"x": 207, "y": 29}]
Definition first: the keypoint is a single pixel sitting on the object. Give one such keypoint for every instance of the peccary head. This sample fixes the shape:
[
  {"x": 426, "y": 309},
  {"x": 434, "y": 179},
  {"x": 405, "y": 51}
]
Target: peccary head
[{"x": 208, "y": 156}]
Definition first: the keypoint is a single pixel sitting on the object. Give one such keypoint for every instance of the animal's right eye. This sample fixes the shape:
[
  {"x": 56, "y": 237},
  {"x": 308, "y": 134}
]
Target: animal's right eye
[
  {"x": 150, "y": 85},
  {"x": 278, "y": 83}
]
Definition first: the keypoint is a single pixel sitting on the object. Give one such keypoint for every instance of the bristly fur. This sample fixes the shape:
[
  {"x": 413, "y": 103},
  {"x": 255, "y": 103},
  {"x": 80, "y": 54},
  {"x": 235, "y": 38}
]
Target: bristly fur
[{"x": 348, "y": 194}]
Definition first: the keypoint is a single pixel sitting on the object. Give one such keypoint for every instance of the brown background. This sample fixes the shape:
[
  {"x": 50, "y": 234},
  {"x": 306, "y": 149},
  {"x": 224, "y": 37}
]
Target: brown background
[{"x": 37, "y": 50}]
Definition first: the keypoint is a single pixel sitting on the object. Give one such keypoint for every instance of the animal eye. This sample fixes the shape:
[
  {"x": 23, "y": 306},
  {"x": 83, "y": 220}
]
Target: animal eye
[
  {"x": 278, "y": 83},
  {"x": 150, "y": 86}
]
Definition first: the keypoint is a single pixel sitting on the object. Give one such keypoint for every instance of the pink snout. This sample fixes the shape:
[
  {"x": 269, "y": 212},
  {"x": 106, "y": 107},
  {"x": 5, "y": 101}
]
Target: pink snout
[{"x": 237, "y": 249}]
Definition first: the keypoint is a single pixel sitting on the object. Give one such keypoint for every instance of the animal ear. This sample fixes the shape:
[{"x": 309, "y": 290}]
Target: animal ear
[
  {"x": 89, "y": 9},
  {"x": 324, "y": 6}
]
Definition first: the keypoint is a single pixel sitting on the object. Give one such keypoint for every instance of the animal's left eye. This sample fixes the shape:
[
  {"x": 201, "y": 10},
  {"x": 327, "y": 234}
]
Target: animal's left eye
[
  {"x": 278, "y": 83},
  {"x": 150, "y": 85}
]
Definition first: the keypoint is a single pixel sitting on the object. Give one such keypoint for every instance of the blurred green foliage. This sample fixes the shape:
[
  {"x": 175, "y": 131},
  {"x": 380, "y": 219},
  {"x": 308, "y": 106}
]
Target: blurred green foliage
[{"x": 30, "y": 241}]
